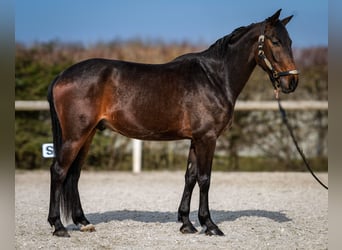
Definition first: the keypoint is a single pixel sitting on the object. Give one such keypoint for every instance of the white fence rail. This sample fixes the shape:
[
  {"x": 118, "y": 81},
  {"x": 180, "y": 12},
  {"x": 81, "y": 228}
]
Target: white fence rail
[{"x": 240, "y": 105}]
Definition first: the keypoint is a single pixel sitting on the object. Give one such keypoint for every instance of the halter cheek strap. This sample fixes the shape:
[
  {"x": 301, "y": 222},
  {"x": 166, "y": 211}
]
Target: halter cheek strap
[{"x": 275, "y": 74}]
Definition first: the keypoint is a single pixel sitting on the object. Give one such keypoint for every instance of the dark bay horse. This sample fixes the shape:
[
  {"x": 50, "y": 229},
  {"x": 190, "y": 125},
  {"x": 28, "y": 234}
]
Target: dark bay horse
[{"x": 191, "y": 97}]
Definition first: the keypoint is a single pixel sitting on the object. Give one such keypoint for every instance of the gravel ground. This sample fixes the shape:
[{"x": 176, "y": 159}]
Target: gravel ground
[{"x": 254, "y": 210}]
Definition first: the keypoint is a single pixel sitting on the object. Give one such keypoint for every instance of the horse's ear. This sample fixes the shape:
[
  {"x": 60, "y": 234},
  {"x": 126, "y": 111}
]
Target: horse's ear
[
  {"x": 273, "y": 19},
  {"x": 286, "y": 20}
]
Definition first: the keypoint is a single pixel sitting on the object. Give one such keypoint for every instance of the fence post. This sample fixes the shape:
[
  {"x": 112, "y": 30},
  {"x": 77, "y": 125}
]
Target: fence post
[{"x": 137, "y": 153}]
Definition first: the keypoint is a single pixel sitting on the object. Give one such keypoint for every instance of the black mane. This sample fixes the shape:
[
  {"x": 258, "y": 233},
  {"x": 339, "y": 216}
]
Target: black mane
[
  {"x": 221, "y": 46},
  {"x": 223, "y": 43}
]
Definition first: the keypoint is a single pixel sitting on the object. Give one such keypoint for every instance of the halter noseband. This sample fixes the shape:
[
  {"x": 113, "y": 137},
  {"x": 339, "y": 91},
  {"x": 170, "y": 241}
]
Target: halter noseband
[{"x": 275, "y": 74}]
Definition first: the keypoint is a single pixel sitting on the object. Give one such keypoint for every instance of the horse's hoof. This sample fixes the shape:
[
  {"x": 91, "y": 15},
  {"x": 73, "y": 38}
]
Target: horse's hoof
[
  {"x": 214, "y": 231},
  {"x": 61, "y": 233},
  {"x": 87, "y": 228},
  {"x": 188, "y": 229}
]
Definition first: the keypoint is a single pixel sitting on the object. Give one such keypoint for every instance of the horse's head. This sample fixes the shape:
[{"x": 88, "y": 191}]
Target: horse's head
[{"x": 274, "y": 54}]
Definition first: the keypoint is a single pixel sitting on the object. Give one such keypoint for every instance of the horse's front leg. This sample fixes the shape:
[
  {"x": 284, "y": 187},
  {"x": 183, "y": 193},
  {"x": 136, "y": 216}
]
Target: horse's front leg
[
  {"x": 204, "y": 149},
  {"x": 190, "y": 181}
]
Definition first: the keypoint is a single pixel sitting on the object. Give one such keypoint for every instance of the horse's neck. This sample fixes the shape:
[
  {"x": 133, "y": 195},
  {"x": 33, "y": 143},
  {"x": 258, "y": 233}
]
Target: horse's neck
[
  {"x": 241, "y": 63},
  {"x": 237, "y": 62}
]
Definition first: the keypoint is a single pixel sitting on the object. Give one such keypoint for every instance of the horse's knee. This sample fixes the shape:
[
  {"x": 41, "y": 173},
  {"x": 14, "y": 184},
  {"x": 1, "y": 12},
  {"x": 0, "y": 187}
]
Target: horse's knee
[
  {"x": 203, "y": 182},
  {"x": 190, "y": 180}
]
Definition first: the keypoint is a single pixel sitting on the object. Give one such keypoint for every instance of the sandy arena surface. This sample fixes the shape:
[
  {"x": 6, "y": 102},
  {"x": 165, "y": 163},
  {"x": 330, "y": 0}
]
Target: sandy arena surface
[{"x": 254, "y": 210}]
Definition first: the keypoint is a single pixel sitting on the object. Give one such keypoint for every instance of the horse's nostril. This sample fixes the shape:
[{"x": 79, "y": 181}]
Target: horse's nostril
[{"x": 293, "y": 83}]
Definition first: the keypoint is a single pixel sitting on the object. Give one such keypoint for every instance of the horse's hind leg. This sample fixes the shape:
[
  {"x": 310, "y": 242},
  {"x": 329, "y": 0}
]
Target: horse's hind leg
[
  {"x": 64, "y": 179},
  {"x": 190, "y": 181},
  {"x": 78, "y": 216},
  {"x": 59, "y": 170},
  {"x": 57, "y": 178}
]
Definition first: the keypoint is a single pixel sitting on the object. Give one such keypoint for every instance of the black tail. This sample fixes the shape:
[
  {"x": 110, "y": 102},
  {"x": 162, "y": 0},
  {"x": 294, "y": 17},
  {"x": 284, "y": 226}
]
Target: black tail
[
  {"x": 69, "y": 187},
  {"x": 56, "y": 127}
]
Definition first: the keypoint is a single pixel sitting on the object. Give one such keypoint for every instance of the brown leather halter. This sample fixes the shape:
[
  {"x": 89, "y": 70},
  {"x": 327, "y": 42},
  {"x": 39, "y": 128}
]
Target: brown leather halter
[{"x": 275, "y": 74}]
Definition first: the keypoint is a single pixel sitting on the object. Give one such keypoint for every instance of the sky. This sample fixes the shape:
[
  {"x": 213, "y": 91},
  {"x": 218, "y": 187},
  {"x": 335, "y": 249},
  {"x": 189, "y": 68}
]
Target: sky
[{"x": 194, "y": 21}]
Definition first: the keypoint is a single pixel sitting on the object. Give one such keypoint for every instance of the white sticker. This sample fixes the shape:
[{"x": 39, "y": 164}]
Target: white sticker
[{"x": 47, "y": 150}]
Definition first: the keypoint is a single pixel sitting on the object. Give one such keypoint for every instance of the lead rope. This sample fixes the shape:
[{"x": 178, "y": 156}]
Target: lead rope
[{"x": 285, "y": 120}]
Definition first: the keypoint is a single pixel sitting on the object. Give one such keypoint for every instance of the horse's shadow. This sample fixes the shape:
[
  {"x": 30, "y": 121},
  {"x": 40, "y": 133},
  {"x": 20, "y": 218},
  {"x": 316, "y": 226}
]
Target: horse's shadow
[{"x": 166, "y": 217}]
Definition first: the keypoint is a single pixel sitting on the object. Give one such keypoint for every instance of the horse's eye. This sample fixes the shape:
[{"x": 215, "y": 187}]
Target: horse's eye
[{"x": 275, "y": 42}]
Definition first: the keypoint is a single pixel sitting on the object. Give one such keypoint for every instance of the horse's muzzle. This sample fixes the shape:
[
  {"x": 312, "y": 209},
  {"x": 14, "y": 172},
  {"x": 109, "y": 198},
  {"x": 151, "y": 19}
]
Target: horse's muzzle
[{"x": 289, "y": 83}]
